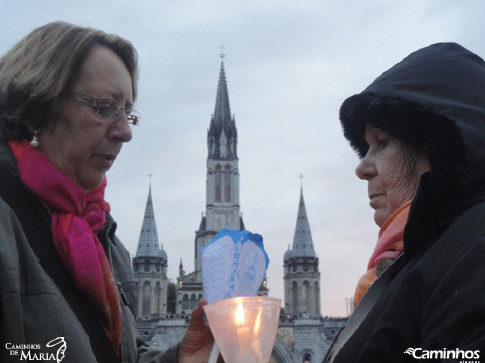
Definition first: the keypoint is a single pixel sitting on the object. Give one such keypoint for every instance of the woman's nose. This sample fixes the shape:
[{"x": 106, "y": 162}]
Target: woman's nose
[
  {"x": 121, "y": 129},
  {"x": 366, "y": 168}
]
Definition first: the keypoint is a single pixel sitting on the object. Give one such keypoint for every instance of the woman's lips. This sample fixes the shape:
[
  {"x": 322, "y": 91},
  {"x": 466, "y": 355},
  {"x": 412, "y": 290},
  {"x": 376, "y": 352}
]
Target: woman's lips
[
  {"x": 106, "y": 160},
  {"x": 375, "y": 200}
]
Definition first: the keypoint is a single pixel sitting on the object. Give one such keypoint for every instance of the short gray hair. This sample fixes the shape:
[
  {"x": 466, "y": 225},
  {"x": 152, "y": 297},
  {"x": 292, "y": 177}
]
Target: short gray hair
[{"x": 40, "y": 70}]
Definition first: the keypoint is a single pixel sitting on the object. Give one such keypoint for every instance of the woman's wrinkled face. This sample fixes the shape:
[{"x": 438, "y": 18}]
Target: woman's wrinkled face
[
  {"x": 392, "y": 170},
  {"x": 81, "y": 144}
]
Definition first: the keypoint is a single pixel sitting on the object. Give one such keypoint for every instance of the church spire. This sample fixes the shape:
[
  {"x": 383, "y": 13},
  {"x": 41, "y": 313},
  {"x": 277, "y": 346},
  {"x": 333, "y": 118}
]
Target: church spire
[
  {"x": 222, "y": 179},
  {"x": 222, "y": 111},
  {"x": 302, "y": 240},
  {"x": 222, "y": 135},
  {"x": 148, "y": 242}
]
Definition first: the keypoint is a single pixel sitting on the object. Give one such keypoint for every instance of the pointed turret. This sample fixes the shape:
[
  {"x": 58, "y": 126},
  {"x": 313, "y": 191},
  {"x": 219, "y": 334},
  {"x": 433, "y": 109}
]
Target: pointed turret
[
  {"x": 148, "y": 242},
  {"x": 150, "y": 267},
  {"x": 300, "y": 266},
  {"x": 181, "y": 270},
  {"x": 302, "y": 240}
]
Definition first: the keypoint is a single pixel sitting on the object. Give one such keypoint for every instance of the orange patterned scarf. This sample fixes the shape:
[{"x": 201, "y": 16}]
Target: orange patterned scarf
[
  {"x": 389, "y": 246},
  {"x": 77, "y": 217}
]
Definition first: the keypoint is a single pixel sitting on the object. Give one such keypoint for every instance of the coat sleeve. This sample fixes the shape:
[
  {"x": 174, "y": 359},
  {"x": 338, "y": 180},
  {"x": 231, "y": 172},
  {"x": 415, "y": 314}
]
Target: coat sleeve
[{"x": 11, "y": 319}]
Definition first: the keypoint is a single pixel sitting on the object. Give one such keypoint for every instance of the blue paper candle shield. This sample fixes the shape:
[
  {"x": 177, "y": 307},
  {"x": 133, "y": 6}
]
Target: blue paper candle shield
[{"x": 233, "y": 264}]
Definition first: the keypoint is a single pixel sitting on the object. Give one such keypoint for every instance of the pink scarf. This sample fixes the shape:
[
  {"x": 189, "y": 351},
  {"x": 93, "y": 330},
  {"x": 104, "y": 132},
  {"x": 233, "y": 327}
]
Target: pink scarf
[
  {"x": 77, "y": 217},
  {"x": 389, "y": 246}
]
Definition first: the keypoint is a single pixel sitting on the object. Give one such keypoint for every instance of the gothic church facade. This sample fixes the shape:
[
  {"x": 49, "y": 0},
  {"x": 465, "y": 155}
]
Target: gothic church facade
[
  {"x": 303, "y": 334},
  {"x": 222, "y": 193}
]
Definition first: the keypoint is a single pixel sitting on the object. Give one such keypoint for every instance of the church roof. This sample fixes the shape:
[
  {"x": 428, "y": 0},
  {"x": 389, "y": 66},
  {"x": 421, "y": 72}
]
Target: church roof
[
  {"x": 148, "y": 242},
  {"x": 302, "y": 240}
]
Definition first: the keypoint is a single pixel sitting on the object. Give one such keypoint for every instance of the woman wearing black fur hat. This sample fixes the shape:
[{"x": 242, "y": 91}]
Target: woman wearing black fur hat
[{"x": 419, "y": 130}]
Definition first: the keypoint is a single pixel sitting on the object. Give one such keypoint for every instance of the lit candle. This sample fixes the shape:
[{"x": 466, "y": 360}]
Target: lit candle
[
  {"x": 242, "y": 331},
  {"x": 244, "y": 327}
]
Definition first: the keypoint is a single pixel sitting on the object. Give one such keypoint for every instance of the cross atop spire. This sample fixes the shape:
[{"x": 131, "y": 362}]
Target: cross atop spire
[
  {"x": 301, "y": 180},
  {"x": 150, "y": 176},
  {"x": 222, "y": 55}
]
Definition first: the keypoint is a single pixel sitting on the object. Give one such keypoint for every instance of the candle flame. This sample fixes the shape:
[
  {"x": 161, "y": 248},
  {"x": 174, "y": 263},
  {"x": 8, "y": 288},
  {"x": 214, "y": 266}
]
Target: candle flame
[
  {"x": 239, "y": 315},
  {"x": 257, "y": 323}
]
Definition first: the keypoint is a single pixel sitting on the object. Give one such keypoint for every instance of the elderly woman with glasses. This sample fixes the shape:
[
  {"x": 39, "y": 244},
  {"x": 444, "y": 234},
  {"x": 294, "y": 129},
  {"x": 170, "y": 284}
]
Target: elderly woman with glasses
[
  {"x": 419, "y": 130},
  {"x": 66, "y": 105}
]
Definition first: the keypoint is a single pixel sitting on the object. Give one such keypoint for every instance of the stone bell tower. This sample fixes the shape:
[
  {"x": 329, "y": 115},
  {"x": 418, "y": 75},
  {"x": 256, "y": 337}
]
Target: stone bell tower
[
  {"x": 222, "y": 192},
  {"x": 301, "y": 274},
  {"x": 150, "y": 267}
]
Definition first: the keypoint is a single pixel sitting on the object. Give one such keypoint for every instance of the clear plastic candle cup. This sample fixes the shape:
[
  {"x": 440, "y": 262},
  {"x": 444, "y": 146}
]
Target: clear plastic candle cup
[{"x": 244, "y": 327}]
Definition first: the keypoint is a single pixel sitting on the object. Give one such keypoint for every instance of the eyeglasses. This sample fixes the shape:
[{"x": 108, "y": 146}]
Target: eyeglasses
[{"x": 107, "y": 109}]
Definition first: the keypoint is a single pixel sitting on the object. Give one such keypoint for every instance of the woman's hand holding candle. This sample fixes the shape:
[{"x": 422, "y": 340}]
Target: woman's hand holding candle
[{"x": 197, "y": 342}]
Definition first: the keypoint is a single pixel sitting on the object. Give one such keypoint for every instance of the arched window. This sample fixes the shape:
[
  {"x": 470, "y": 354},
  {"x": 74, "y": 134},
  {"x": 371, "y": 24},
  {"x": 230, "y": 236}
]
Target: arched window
[
  {"x": 227, "y": 183},
  {"x": 223, "y": 145},
  {"x": 316, "y": 294},
  {"x": 185, "y": 302},
  {"x": 211, "y": 146},
  {"x": 294, "y": 298},
  {"x": 307, "y": 297},
  {"x": 193, "y": 301},
  {"x": 156, "y": 300},
  {"x": 306, "y": 358},
  {"x": 146, "y": 299},
  {"x": 218, "y": 185}
]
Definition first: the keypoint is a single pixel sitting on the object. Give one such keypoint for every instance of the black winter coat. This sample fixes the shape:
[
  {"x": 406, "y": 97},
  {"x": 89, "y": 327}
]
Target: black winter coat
[{"x": 429, "y": 305}]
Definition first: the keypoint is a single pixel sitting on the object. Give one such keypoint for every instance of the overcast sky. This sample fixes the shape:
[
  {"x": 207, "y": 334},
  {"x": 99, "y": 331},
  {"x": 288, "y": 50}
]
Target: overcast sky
[{"x": 289, "y": 66}]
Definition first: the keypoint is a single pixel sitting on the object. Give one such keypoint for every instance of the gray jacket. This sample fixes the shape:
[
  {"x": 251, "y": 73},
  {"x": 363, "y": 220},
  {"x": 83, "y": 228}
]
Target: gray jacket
[{"x": 34, "y": 313}]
